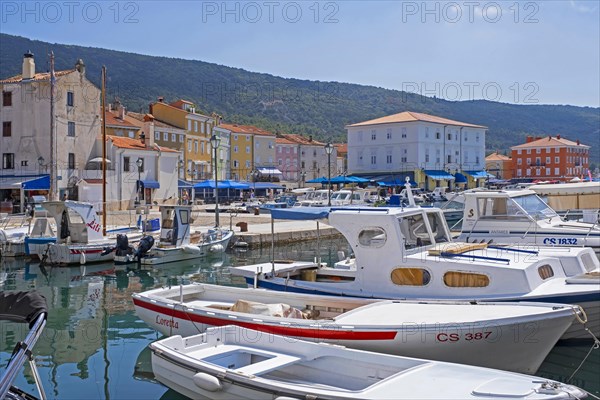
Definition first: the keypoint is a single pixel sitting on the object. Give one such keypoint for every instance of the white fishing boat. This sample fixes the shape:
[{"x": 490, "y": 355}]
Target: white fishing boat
[
  {"x": 80, "y": 238},
  {"x": 520, "y": 216},
  {"x": 407, "y": 253},
  {"x": 231, "y": 362},
  {"x": 176, "y": 242},
  {"x": 464, "y": 332},
  {"x": 34, "y": 224}
]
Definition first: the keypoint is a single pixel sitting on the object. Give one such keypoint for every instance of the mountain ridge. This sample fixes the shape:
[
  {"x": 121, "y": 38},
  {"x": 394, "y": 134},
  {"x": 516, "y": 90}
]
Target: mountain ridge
[{"x": 291, "y": 105}]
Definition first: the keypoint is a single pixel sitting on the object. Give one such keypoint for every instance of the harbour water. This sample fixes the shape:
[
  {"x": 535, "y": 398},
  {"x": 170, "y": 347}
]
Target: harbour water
[{"x": 94, "y": 346}]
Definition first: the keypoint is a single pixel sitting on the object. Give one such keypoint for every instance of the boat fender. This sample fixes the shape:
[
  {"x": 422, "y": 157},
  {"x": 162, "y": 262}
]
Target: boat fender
[
  {"x": 82, "y": 259},
  {"x": 207, "y": 382},
  {"x": 216, "y": 248},
  {"x": 189, "y": 249}
]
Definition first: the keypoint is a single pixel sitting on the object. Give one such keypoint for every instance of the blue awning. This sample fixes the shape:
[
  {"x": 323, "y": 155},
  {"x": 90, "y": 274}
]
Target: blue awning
[
  {"x": 438, "y": 174},
  {"x": 318, "y": 180},
  {"x": 40, "y": 183},
  {"x": 460, "y": 178},
  {"x": 477, "y": 174},
  {"x": 300, "y": 213},
  {"x": 150, "y": 184},
  {"x": 264, "y": 185},
  {"x": 224, "y": 184},
  {"x": 183, "y": 184}
]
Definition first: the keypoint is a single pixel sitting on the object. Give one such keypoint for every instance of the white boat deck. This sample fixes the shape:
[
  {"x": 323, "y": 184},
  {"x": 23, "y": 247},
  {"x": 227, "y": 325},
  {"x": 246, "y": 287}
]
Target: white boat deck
[
  {"x": 280, "y": 267},
  {"x": 387, "y": 313}
]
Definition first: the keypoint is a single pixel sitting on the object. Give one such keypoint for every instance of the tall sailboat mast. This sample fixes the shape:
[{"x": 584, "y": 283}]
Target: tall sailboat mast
[
  {"x": 104, "y": 150},
  {"x": 53, "y": 161}
]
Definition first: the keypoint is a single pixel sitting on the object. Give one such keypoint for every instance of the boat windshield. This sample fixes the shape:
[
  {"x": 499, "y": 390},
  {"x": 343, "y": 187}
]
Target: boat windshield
[{"x": 535, "y": 206}]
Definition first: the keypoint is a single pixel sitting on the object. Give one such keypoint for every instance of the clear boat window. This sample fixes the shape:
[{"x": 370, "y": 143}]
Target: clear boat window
[
  {"x": 545, "y": 271},
  {"x": 465, "y": 279},
  {"x": 414, "y": 230},
  {"x": 410, "y": 276},
  {"x": 185, "y": 216},
  {"x": 438, "y": 228},
  {"x": 535, "y": 206},
  {"x": 372, "y": 237}
]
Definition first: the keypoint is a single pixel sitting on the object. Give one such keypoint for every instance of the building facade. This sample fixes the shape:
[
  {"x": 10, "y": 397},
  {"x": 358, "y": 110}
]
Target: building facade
[
  {"x": 28, "y": 119},
  {"x": 550, "y": 158},
  {"x": 252, "y": 152},
  {"x": 301, "y": 158},
  {"x": 432, "y": 151},
  {"x": 499, "y": 165}
]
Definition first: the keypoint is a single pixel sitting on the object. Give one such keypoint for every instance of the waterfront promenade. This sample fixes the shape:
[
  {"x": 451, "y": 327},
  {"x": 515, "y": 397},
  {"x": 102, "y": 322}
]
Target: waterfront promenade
[{"x": 258, "y": 227}]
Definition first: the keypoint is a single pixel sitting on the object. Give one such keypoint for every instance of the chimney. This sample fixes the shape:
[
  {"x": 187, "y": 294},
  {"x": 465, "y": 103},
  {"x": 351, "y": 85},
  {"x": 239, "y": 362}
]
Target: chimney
[
  {"x": 310, "y": 138},
  {"x": 549, "y": 137},
  {"x": 160, "y": 99},
  {"x": 121, "y": 111},
  {"x": 578, "y": 142},
  {"x": 80, "y": 66},
  {"x": 28, "y": 66},
  {"x": 143, "y": 138},
  {"x": 529, "y": 139},
  {"x": 149, "y": 128},
  {"x": 558, "y": 136}
]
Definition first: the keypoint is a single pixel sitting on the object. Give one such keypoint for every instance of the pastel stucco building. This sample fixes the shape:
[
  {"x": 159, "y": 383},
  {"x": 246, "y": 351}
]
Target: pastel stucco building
[{"x": 431, "y": 151}]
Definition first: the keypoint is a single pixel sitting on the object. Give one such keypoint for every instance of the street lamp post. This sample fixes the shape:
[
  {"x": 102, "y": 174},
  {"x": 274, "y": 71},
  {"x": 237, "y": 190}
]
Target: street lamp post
[
  {"x": 303, "y": 177},
  {"x": 329, "y": 150},
  {"x": 214, "y": 142},
  {"x": 140, "y": 163}
]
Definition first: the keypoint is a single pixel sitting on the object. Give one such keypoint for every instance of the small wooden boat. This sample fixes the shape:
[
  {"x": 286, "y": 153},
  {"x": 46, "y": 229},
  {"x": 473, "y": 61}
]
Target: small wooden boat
[
  {"x": 231, "y": 362},
  {"x": 473, "y": 333},
  {"x": 177, "y": 242}
]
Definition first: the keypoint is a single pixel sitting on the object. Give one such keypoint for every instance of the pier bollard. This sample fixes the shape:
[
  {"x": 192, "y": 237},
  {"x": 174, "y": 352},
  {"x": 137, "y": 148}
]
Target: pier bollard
[{"x": 243, "y": 226}]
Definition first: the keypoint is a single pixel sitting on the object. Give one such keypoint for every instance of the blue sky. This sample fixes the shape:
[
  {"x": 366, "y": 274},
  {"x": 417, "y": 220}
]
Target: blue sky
[{"x": 527, "y": 52}]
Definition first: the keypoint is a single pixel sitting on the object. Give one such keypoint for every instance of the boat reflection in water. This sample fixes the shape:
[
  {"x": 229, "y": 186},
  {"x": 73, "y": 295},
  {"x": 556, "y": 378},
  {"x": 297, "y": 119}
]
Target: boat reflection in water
[{"x": 95, "y": 347}]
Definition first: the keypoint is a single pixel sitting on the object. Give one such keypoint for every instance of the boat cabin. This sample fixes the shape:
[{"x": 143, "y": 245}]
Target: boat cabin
[
  {"x": 76, "y": 222},
  {"x": 175, "y": 221}
]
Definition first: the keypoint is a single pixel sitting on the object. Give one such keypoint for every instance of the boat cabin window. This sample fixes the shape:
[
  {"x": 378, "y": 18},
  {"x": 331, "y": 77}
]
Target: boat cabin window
[
  {"x": 184, "y": 216},
  {"x": 465, "y": 279},
  {"x": 75, "y": 226},
  {"x": 438, "y": 227},
  {"x": 545, "y": 271},
  {"x": 410, "y": 276},
  {"x": 414, "y": 230},
  {"x": 167, "y": 222},
  {"x": 535, "y": 206},
  {"x": 498, "y": 208},
  {"x": 372, "y": 237}
]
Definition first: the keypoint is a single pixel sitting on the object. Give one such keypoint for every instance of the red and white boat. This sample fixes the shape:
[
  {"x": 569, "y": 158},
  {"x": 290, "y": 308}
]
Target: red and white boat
[
  {"x": 509, "y": 336},
  {"x": 79, "y": 238}
]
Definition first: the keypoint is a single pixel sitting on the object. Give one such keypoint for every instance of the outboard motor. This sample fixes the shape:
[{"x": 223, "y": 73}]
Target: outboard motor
[
  {"x": 123, "y": 248},
  {"x": 144, "y": 246}
]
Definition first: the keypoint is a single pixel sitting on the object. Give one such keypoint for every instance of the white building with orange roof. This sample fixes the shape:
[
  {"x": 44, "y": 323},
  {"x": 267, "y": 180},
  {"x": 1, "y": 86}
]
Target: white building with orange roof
[
  {"x": 26, "y": 149},
  {"x": 140, "y": 172},
  {"x": 550, "y": 158},
  {"x": 432, "y": 151}
]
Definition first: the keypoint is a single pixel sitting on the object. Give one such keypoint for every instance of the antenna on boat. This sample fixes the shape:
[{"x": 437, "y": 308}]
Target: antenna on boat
[{"x": 409, "y": 194}]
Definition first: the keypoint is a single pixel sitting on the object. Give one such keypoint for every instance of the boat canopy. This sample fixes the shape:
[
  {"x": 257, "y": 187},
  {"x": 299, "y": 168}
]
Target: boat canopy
[
  {"x": 22, "y": 307},
  {"x": 300, "y": 213}
]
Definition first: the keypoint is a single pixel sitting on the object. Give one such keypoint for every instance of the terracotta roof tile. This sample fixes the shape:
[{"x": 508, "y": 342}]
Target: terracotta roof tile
[
  {"x": 140, "y": 118},
  {"x": 113, "y": 119},
  {"x": 136, "y": 144},
  {"x": 549, "y": 141},
  {"x": 497, "y": 157},
  {"x": 303, "y": 140},
  {"x": 247, "y": 129},
  {"x": 281, "y": 140},
  {"x": 342, "y": 148},
  {"x": 43, "y": 76},
  {"x": 411, "y": 116}
]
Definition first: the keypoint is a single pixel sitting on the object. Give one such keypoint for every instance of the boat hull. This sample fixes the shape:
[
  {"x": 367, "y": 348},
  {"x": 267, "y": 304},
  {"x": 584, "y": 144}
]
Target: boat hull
[{"x": 500, "y": 340}]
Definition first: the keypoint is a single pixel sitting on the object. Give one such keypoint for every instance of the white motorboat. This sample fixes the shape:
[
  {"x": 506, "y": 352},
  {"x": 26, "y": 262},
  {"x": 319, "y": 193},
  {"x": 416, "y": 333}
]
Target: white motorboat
[
  {"x": 176, "y": 242},
  {"x": 315, "y": 198},
  {"x": 406, "y": 253},
  {"x": 231, "y": 362},
  {"x": 520, "y": 216},
  {"x": 36, "y": 224},
  {"x": 464, "y": 332},
  {"x": 80, "y": 239}
]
